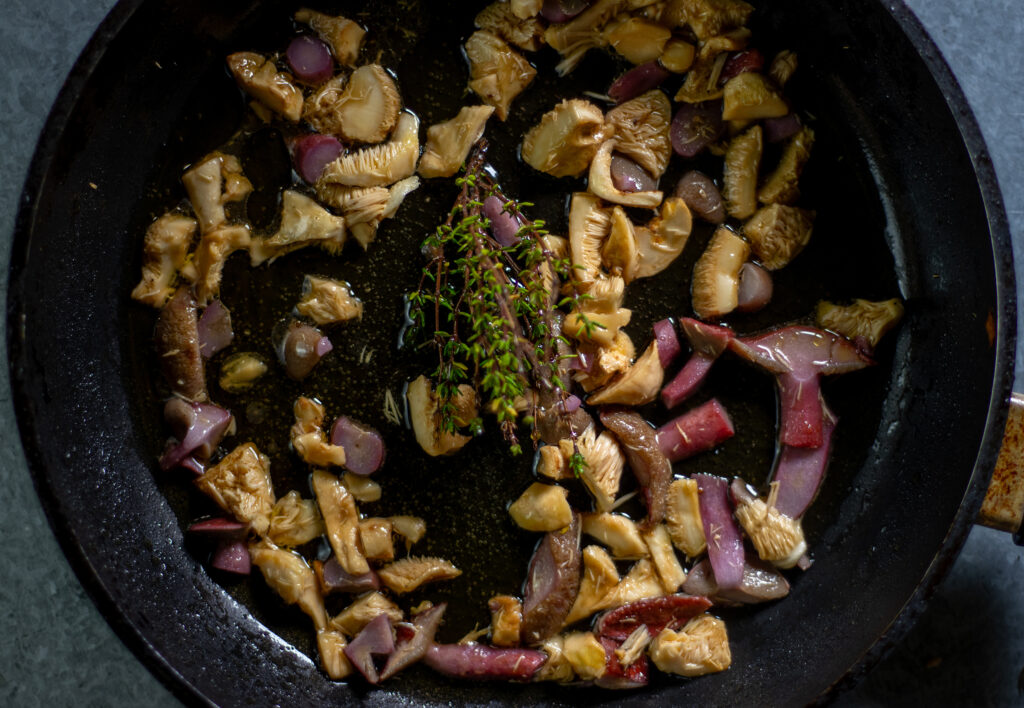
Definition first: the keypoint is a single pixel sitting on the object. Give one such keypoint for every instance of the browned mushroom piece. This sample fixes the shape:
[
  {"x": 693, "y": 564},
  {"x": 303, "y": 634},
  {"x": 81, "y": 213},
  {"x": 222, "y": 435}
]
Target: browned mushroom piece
[
  {"x": 497, "y": 72},
  {"x": 344, "y": 35},
  {"x": 739, "y": 177},
  {"x": 522, "y": 29},
  {"x": 177, "y": 343},
  {"x": 258, "y": 77},
  {"x": 778, "y": 233},
  {"x": 165, "y": 250},
  {"x": 642, "y": 129},
  {"x": 716, "y": 275},
  {"x": 566, "y": 139}
]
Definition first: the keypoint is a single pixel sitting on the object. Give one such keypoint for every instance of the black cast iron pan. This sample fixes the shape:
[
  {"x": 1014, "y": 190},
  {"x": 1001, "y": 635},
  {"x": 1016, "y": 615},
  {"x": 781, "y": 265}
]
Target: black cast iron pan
[{"x": 907, "y": 206}]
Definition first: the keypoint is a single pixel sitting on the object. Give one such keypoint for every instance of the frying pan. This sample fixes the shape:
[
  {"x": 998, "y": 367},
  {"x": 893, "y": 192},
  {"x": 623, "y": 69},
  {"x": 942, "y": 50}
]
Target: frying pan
[{"x": 84, "y": 392}]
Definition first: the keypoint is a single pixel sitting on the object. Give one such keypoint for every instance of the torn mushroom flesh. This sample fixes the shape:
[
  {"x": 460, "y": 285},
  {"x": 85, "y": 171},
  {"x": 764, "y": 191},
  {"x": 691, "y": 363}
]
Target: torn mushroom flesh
[
  {"x": 716, "y": 275},
  {"x": 566, "y": 139},
  {"x": 601, "y": 184}
]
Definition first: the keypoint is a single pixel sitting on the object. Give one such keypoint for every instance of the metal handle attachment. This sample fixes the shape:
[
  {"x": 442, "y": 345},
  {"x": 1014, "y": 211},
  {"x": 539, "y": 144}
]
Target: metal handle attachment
[{"x": 1003, "y": 507}]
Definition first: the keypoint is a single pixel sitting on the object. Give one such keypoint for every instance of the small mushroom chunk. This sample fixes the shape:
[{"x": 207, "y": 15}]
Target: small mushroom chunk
[
  {"x": 524, "y": 9},
  {"x": 341, "y": 519},
  {"x": 303, "y": 223},
  {"x": 240, "y": 484},
  {"x": 637, "y": 386},
  {"x": 619, "y": 253},
  {"x": 751, "y": 96},
  {"x": 664, "y": 238},
  {"x": 353, "y": 618},
  {"x": 211, "y": 254},
  {"x": 566, "y": 139},
  {"x": 682, "y": 517},
  {"x": 640, "y": 583},
  {"x": 320, "y": 107},
  {"x": 300, "y": 347},
  {"x": 521, "y": 29},
  {"x": 425, "y": 415},
  {"x": 375, "y": 536},
  {"x": 782, "y": 185},
  {"x": 701, "y": 647},
  {"x": 702, "y": 80},
  {"x": 863, "y": 320},
  {"x": 164, "y": 252},
  {"x": 783, "y": 67},
  {"x": 259, "y": 78},
  {"x": 604, "y": 463},
  {"x": 589, "y": 224},
  {"x": 362, "y": 487},
  {"x": 606, "y": 361},
  {"x": 778, "y": 233},
  {"x": 574, "y": 38},
  {"x": 411, "y": 528},
  {"x": 619, "y": 533},
  {"x": 344, "y": 35},
  {"x": 497, "y": 73},
  {"x": 664, "y": 557},
  {"x": 677, "y": 56},
  {"x": 739, "y": 177},
  {"x": 708, "y": 18},
  {"x": 642, "y": 130},
  {"x": 542, "y": 507},
  {"x": 604, "y": 326},
  {"x": 506, "y": 618},
  {"x": 288, "y": 575},
  {"x": 294, "y": 521},
  {"x": 449, "y": 143},
  {"x": 211, "y": 184},
  {"x": 407, "y": 574},
  {"x": 308, "y": 437},
  {"x": 716, "y": 275},
  {"x": 777, "y": 538},
  {"x": 177, "y": 342},
  {"x": 364, "y": 208},
  {"x": 379, "y": 165},
  {"x": 367, "y": 108},
  {"x": 331, "y": 646},
  {"x": 601, "y": 183},
  {"x": 600, "y": 578},
  {"x": 637, "y": 39},
  {"x": 239, "y": 371},
  {"x": 327, "y": 301},
  {"x": 585, "y": 654},
  {"x": 551, "y": 463}
]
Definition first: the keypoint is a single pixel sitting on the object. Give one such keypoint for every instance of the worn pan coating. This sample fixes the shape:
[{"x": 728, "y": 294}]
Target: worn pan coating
[{"x": 907, "y": 205}]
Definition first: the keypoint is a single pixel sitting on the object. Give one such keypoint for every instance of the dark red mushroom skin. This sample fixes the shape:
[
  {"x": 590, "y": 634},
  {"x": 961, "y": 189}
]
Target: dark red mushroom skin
[
  {"x": 616, "y": 676},
  {"x": 652, "y": 469},
  {"x": 177, "y": 345},
  {"x": 696, "y": 431},
  {"x": 479, "y": 661},
  {"x": 552, "y": 583},
  {"x": 801, "y": 470},
  {"x": 725, "y": 542},
  {"x": 708, "y": 342},
  {"x": 656, "y": 613}
]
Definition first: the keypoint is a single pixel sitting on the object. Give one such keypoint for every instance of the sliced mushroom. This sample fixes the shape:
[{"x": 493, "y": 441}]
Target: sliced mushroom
[
  {"x": 782, "y": 185},
  {"x": 617, "y": 532},
  {"x": 778, "y": 233},
  {"x": 637, "y": 39},
  {"x": 353, "y": 618},
  {"x": 599, "y": 328},
  {"x": 294, "y": 521},
  {"x": 521, "y": 28},
  {"x": 702, "y": 80},
  {"x": 751, "y": 96},
  {"x": 716, "y": 275},
  {"x": 367, "y": 108},
  {"x": 588, "y": 226},
  {"x": 526, "y": 8},
  {"x": 211, "y": 184},
  {"x": 605, "y": 361},
  {"x": 659, "y": 543},
  {"x": 863, "y": 319},
  {"x": 542, "y": 507},
  {"x": 604, "y": 295},
  {"x": 344, "y": 35},
  {"x": 604, "y": 463},
  {"x": 327, "y": 301},
  {"x": 375, "y": 537},
  {"x": 407, "y": 574},
  {"x": 449, "y": 143},
  {"x": 426, "y": 419},
  {"x": 259, "y": 78},
  {"x": 777, "y": 538},
  {"x": 211, "y": 254},
  {"x": 677, "y": 56},
  {"x": 701, "y": 647},
  {"x": 636, "y": 387},
  {"x": 497, "y": 73},
  {"x": 308, "y": 437},
  {"x": 585, "y": 654},
  {"x": 640, "y": 583},
  {"x": 341, "y": 519},
  {"x": 783, "y": 67},
  {"x": 642, "y": 130},
  {"x": 411, "y": 528},
  {"x": 619, "y": 254},
  {"x": 708, "y": 18},
  {"x": 600, "y": 577},
  {"x": 239, "y": 371},
  {"x": 240, "y": 484},
  {"x": 566, "y": 139},
  {"x": 574, "y": 38},
  {"x": 682, "y": 517},
  {"x": 601, "y": 184},
  {"x": 362, "y": 487},
  {"x": 165, "y": 250},
  {"x": 331, "y": 646},
  {"x": 290, "y": 577},
  {"x": 364, "y": 208},
  {"x": 739, "y": 177},
  {"x": 506, "y": 619},
  {"x": 663, "y": 239},
  {"x": 382, "y": 164},
  {"x": 303, "y": 223}
]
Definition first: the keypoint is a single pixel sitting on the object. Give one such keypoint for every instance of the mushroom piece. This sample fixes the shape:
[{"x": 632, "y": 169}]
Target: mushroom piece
[
  {"x": 211, "y": 254},
  {"x": 703, "y": 79},
  {"x": 619, "y": 253},
  {"x": 177, "y": 342},
  {"x": 364, "y": 208},
  {"x": 659, "y": 543},
  {"x": 526, "y": 8},
  {"x": 677, "y": 56},
  {"x": 289, "y": 576},
  {"x": 649, "y": 464},
  {"x": 701, "y": 647},
  {"x": 566, "y": 139},
  {"x": 599, "y": 580},
  {"x": 407, "y": 574},
  {"x": 600, "y": 328},
  {"x": 411, "y": 528},
  {"x": 585, "y": 654},
  {"x": 716, "y": 275},
  {"x": 600, "y": 181},
  {"x": 542, "y": 507},
  {"x": 259, "y": 78},
  {"x": 782, "y": 185},
  {"x": 521, "y": 28},
  {"x": 213, "y": 182},
  {"x": 640, "y": 583},
  {"x": 604, "y": 462},
  {"x": 165, "y": 250},
  {"x": 240, "y": 484},
  {"x": 637, "y": 386},
  {"x": 379, "y": 165},
  {"x": 449, "y": 143},
  {"x": 642, "y": 130},
  {"x": 506, "y": 618},
  {"x": 863, "y": 322},
  {"x": 364, "y": 110},
  {"x": 331, "y": 646},
  {"x": 327, "y": 301},
  {"x": 294, "y": 521},
  {"x": 589, "y": 224},
  {"x": 783, "y": 67},
  {"x": 574, "y": 38},
  {"x": 664, "y": 237},
  {"x": 303, "y": 223},
  {"x": 344, "y": 35},
  {"x": 497, "y": 73},
  {"x": 778, "y": 233},
  {"x": 239, "y": 371},
  {"x": 308, "y": 437},
  {"x": 341, "y": 519},
  {"x": 552, "y": 582},
  {"x": 360, "y": 613},
  {"x": 777, "y": 538},
  {"x": 617, "y": 532},
  {"x": 637, "y": 39},
  {"x": 682, "y": 518},
  {"x": 362, "y": 488},
  {"x": 751, "y": 96},
  {"x": 375, "y": 538},
  {"x": 708, "y": 18},
  {"x": 739, "y": 176},
  {"x": 426, "y": 418},
  {"x": 605, "y": 361}
]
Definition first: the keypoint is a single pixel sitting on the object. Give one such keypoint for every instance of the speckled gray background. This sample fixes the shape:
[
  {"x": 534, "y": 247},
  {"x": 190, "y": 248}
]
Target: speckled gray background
[{"x": 55, "y": 648}]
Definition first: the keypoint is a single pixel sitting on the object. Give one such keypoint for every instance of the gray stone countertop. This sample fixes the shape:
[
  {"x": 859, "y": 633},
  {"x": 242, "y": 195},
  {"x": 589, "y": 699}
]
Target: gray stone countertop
[{"x": 967, "y": 648}]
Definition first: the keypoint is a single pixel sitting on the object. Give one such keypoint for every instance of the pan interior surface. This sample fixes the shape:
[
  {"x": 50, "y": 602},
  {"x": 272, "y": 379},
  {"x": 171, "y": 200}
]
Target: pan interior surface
[{"x": 900, "y": 213}]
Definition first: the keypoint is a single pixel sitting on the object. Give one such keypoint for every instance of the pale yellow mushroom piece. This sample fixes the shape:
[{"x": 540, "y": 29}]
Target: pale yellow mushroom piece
[
  {"x": 682, "y": 517},
  {"x": 642, "y": 130},
  {"x": 566, "y": 139},
  {"x": 783, "y": 67},
  {"x": 426, "y": 419},
  {"x": 342, "y": 34},
  {"x": 739, "y": 177},
  {"x": 702, "y": 79},
  {"x": 308, "y": 437},
  {"x": 751, "y": 96},
  {"x": 637, "y": 39},
  {"x": 678, "y": 55},
  {"x": 633, "y": 647},
  {"x": 585, "y": 654},
  {"x": 701, "y": 647},
  {"x": 375, "y": 537},
  {"x": 783, "y": 185},
  {"x": 864, "y": 318},
  {"x": 777, "y": 538},
  {"x": 574, "y": 38},
  {"x": 556, "y": 667},
  {"x": 664, "y": 558},
  {"x": 353, "y": 618},
  {"x": 294, "y": 521},
  {"x": 327, "y": 301},
  {"x": 164, "y": 252},
  {"x": 331, "y": 646},
  {"x": 605, "y": 461},
  {"x": 608, "y": 361},
  {"x": 449, "y": 143},
  {"x": 367, "y": 107},
  {"x": 600, "y": 577},
  {"x": 637, "y": 386},
  {"x": 379, "y": 165},
  {"x": 363, "y": 488},
  {"x": 551, "y": 463},
  {"x": 211, "y": 184},
  {"x": 521, "y": 28},
  {"x": 589, "y": 224},
  {"x": 506, "y": 619},
  {"x": 240, "y": 484},
  {"x": 407, "y": 574},
  {"x": 664, "y": 237},
  {"x": 497, "y": 72},
  {"x": 617, "y": 532},
  {"x": 241, "y": 370},
  {"x": 303, "y": 223},
  {"x": 364, "y": 208},
  {"x": 604, "y": 326},
  {"x": 640, "y": 583},
  {"x": 542, "y": 507},
  {"x": 289, "y": 576},
  {"x": 716, "y": 275},
  {"x": 207, "y": 266},
  {"x": 778, "y": 233},
  {"x": 260, "y": 78},
  {"x": 601, "y": 184},
  {"x": 619, "y": 253},
  {"x": 411, "y": 528},
  {"x": 341, "y": 519},
  {"x": 708, "y": 18},
  {"x": 526, "y": 8}
]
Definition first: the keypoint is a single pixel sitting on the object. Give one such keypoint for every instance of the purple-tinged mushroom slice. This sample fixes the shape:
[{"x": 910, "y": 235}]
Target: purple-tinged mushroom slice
[
  {"x": 777, "y": 538},
  {"x": 478, "y": 661},
  {"x": 799, "y": 356},
  {"x": 725, "y": 544},
  {"x": 364, "y": 446},
  {"x": 232, "y": 557},
  {"x": 199, "y": 428},
  {"x": 651, "y": 467},
  {"x": 177, "y": 343},
  {"x": 656, "y": 613},
  {"x": 413, "y": 648},
  {"x": 696, "y": 431},
  {"x": 334, "y": 578},
  {"x": 708, "y": 342},
  {"x": 552, "y": 583},
  {"x": 376, "y": 639},
  {"x": 800, "y": 471},
  {"x": 761, "y": 583}
]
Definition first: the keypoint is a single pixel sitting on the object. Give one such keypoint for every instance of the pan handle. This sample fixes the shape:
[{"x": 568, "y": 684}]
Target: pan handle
[{"x": 1003, "y": 508}]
